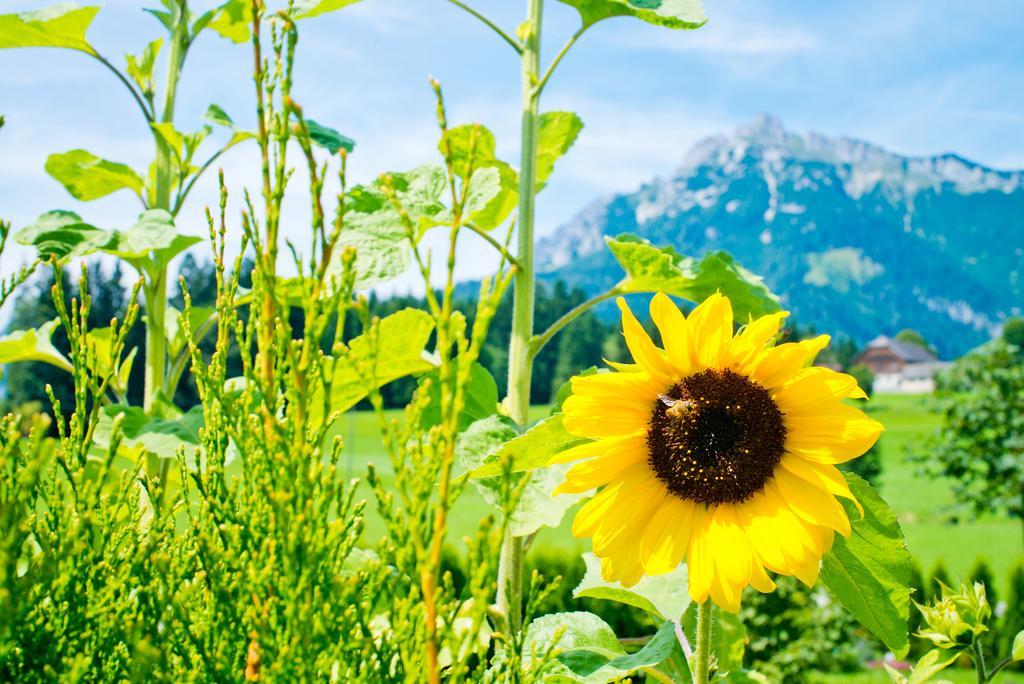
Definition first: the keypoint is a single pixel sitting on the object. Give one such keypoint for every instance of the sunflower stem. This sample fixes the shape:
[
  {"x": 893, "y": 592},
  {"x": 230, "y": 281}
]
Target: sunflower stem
[
  {"x": 520, "y": 364},
  {"x": 702, "y": 662}
]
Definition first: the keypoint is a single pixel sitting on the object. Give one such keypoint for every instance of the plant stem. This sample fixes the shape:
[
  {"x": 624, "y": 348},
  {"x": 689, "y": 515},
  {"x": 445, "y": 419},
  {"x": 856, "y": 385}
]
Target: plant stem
[
  {"x": 490, "y": 24},
  {"x": 702, "y": 662},
  {"x": 540, "y": 340},
  {"x": 156, "y": 290},
  {"x": 510, "y": 571}
]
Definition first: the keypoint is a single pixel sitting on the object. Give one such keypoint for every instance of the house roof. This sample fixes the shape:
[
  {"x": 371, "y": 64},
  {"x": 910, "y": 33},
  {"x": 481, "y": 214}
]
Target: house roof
[{"x": 906, "y": 351}]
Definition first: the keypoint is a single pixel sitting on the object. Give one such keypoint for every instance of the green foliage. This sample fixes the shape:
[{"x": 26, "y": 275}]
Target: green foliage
[
  {"x": 912, "y": 336},
  {"x": 328, "y": 138},
  {"x": 871, "y": 571},
  {"x": 1013, "y": 332},
  {"x": 87, "y": 177},
  {"x": 530, "y": 451},
  {"x": 61, "y": 25},
  {"x": 1012, "y": 621},
  {"x": 651, "y": 269},
  {"x": 981, "y": 439},
  {"x": 865, "y": 378},
  {"x": 794, "y": 631},
  {"x": 675, "y": 14},
  {"x": 665, "y": 597},
  {"x": 558, "y": 131},
  {"x": 33, "y": 345}
]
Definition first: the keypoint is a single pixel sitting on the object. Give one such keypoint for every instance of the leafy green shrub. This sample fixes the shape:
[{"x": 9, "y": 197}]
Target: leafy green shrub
[
  {"x": 795, "y": 631},
  {"x": 865, "y": 378}
]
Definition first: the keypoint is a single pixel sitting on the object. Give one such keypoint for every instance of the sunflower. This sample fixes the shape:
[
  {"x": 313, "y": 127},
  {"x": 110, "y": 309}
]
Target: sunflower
[{"x": 719, "y": 448}]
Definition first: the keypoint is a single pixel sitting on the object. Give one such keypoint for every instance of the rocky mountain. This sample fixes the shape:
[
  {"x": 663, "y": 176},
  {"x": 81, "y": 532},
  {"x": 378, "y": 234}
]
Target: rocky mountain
[{"x": 856, "y": 239}]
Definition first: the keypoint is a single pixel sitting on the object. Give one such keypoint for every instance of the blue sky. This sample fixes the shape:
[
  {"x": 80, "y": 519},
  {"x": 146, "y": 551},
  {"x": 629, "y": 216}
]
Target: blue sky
[{"x": 916, "y": 77}]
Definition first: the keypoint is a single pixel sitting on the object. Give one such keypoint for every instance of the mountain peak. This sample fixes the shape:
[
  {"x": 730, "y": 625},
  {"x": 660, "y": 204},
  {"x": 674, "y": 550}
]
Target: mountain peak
[
  {"x": 852, "y": 235},
  {"x": 764, "y": 127}
]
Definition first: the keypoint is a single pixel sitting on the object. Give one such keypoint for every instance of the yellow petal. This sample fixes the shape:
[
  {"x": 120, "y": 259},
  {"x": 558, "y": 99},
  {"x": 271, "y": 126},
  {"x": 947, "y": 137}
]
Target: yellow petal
[
  {"x": 644, "y": 352},
  {"x": 599, "y": 471},
  {"x": 821, "y": 475},
  {"x": 699, "y": 557},
  {"x": 811, "y": 503},
  {"x": 623, "y": 565},
  {"x": 834, "y": 435},
  {"x": 711, "y": 329},
  {"x": 752, "y": 339},
  {"x": 675, "y": 333},
  {"x": 760, "y": 580},
  {"x": 667, "y": 535},
  {"x": 732, "y": 555},
  {"x": 637, "y": 502},
  {"x": 601, "y": 447},
  {"x": 813, "y": 387},
  {"x": 589, "y": 417}
]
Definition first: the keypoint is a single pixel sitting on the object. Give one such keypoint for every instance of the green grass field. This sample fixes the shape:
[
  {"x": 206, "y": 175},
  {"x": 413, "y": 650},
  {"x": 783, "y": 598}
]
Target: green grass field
[{"x": 918, "y": 500}]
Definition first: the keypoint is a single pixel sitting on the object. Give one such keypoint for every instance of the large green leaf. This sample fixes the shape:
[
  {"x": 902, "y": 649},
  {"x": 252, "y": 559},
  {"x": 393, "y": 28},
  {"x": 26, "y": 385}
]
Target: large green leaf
[
  {"x": 558, "y": 132},
  {"x": 399, "y": 350},
  {"x": 588, "y": 650},
  {"x": 62, "y": 25},
  {"x": 537, "y": 507},
  {"x": 472, "y": 146},
  {"x": 304, "y": 9},
  {"x": 675, "y": 14},
  {"x": 162, "y": 432},
  {"x": 153, "y": 230},
  {"x": 871, "y": 572},
  {"x": 376, "y": 230},
  {"x": 595, "y": 667},
  {"x": 652, "y": 269},
  {"x": 532, "y": 450},
  {"x": 87, "y": 177},
  {"x": 62, "y": 234},
  {"x": 663, "y": 596},
  {"x": 328, "y": 138},
  {"x": 33, "y": 345},
  {"x": 481, "y": 398},
  {"x": 930, "y": 664}
]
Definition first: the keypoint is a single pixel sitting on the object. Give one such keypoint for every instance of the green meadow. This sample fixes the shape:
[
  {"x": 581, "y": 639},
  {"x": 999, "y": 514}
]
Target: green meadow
[{"x": 922, "y": 504}]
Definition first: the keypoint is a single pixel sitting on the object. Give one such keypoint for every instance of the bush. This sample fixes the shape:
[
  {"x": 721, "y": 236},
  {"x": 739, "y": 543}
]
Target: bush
[
  {"x": 865, "y": 378},
  {"x": 795, "y": 631}
]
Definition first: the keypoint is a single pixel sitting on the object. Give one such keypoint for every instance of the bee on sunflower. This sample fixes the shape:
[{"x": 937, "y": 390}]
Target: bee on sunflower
[{"x": 719, "y": 448}]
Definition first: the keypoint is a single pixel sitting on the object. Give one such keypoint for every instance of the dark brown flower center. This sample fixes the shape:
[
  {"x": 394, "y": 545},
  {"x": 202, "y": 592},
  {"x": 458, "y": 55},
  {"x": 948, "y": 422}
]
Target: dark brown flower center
[{"x": 715, "y": 437}]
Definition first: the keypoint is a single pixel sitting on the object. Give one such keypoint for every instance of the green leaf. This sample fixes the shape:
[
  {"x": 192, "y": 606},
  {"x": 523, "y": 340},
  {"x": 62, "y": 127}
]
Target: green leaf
[
  {"x": 62, "y": 234},
  {"x": 233, "y": 20},
  {"x": 216, "y": 115},
  {"x": 473, "y": 146},
  {"x": 33, "y": 345},
  {"x": 87, "y": 177},
  {"x": 664, "y": 596},
  {"x": 397, "y": 351},
  {"x": 537, "y": 506},
  {"x": 161, "y": 433},
  {"x": 1017, "y": 652},
  {"x": 674, "y": 14},
  {"x": 594, "y": 667},
  {"x": 328, "y": 138},
  {"x": 567, "y": 632},
  {"x": 652, "y": 269},
  {"x": 62, "y": 25},
  {"x": 728, "y": 638},
  {"x": 304, "y": 9},
  {"x": 871, "y": 572},
  {"x": 930, "y": 664},
  {"x": 531, "y": 450},
  {"x": 558, "y": 132},
  {"x": 140, "y": 68},
  {"x": 484, "y": 187},
  {"x": 173, "y": 138},
  {"x": 153, "y": 230},
  {"x": 102, "y": 343},
  {"x": 481, "y": 398}
]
